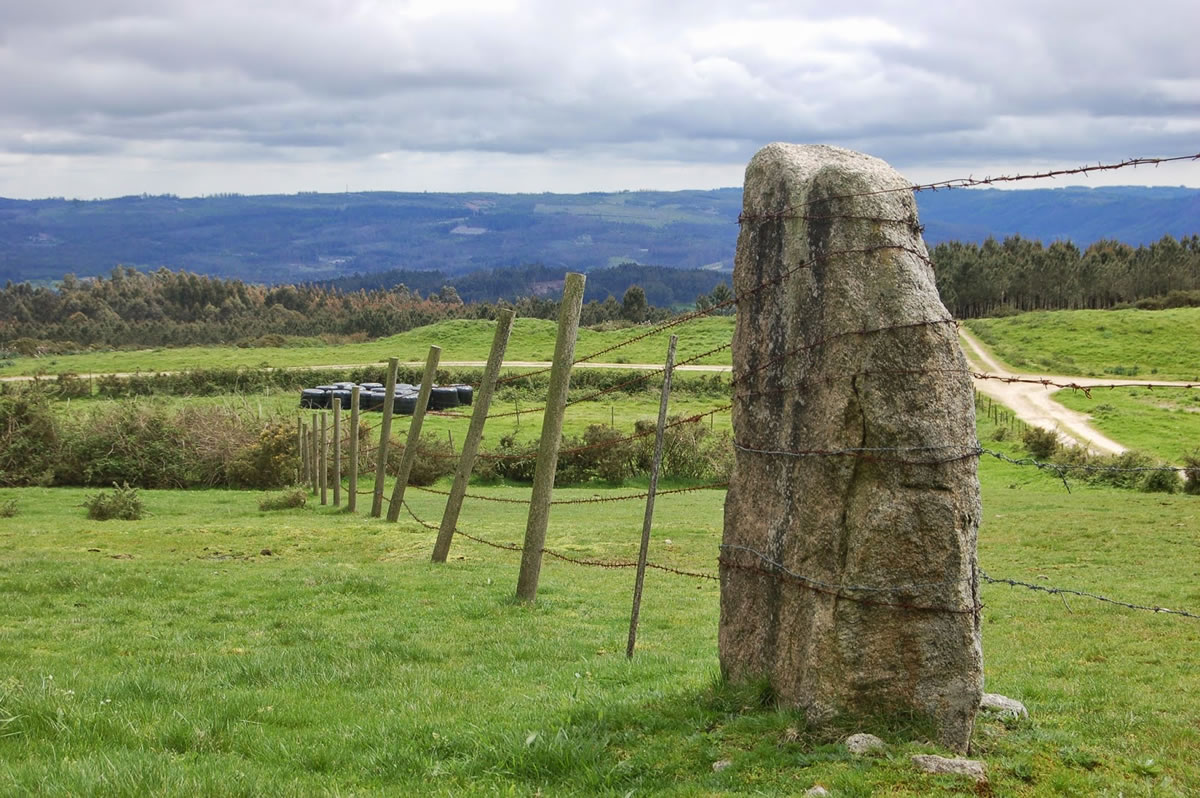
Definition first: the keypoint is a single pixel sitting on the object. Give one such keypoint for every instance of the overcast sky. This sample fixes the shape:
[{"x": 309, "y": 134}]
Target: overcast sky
[{"x": 103, "y": 98}]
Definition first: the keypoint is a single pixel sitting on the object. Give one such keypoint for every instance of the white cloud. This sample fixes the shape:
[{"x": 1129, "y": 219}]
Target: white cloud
[{"x": 127, "y": 95}]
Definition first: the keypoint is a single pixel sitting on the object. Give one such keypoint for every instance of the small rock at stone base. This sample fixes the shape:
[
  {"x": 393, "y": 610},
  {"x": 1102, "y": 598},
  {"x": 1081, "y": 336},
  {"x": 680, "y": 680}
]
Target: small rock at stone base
[
  {"x": 721, "y": 764},
  {"x": 860, "y": 744},
  {"x": 816, "y": 792},
  {"x": 994, "y": 702},
  {"x": 961, "y": 767}
]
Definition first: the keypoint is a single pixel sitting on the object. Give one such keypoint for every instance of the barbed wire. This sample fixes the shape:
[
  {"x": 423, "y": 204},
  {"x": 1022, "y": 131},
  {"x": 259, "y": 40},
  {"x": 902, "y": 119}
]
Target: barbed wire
[
  {"x": 592, "y": 500},
  {"x": 1086, "y": 390},
  {"x": 967, "y": 182},
  {"x": 847, "y": 592},
  {"x": 825, "y": 341},
  {"x": 1060, "y": 591},
  {"x": 558, "y": 555}
]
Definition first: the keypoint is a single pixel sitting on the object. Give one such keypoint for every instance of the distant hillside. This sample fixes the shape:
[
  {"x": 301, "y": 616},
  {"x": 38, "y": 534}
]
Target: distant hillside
[{"x": 316, "y": 237}]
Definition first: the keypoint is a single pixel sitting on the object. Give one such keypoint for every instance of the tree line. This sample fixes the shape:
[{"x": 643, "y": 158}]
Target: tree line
[
  {"x": 174, "y": 308},
  {"x": 1019, "y": 274},
  {"x": 177, "y": 308}
]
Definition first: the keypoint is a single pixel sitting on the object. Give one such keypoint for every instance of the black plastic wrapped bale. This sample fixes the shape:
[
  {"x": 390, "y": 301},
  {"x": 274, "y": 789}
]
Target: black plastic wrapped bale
[
  {"x": 343, "y": 394},
  {"x": 443, "y": 398},
  {"x": 311, "y": 397},
  {"x": 371, "y": 386},
  {"x": 372, "y": 400},
  {"x": 405, "y": 405},
  {"x": 465, "y": 394}
]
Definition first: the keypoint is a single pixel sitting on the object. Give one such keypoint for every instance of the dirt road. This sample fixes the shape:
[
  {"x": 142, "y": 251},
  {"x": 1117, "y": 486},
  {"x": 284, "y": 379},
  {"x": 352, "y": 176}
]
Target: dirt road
[{"x": 1034, "y": 404}]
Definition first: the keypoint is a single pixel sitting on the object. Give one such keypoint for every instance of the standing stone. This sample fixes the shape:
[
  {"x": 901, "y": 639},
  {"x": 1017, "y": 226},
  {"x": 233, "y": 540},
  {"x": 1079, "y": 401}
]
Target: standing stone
[{"x": 842, "y": 345}]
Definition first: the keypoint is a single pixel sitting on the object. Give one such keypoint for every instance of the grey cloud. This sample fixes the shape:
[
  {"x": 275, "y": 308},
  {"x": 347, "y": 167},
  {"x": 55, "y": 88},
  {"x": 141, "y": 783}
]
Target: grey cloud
[{"x": 345, "y": 81}]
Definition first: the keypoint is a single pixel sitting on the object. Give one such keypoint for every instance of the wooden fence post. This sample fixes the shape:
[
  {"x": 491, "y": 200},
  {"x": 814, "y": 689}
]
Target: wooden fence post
[
  {"x": 385, "y": 432},
  {"x": 312, "y": 455},
  {"x": 302, "y": 474},
  {"x": 413, "y": 441},
  {"x": 552, "y": 420},
  {"x": 337, "y": 452},
  {"x": 352, "y": 498},
  {"x": 470, "y": 447},
  {"x": 655, "y": 465},
  {"x": 323, "y": 458}
]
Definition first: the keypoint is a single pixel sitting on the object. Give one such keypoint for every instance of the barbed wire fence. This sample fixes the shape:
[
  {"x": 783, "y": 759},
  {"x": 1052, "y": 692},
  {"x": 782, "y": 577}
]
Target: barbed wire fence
[{"x": 908, "y": 597}]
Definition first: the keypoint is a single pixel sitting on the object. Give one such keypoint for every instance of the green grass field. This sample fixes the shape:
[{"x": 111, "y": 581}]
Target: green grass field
[
  {"x": 213, "y": 649},
  {"x": 1164, "y": 422},
  {"x": 461, "y": 340},
  {"x": 1158, "y": 344}
]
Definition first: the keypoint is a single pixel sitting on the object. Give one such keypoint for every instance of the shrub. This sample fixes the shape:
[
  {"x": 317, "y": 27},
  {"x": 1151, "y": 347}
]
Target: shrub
[
  {"x": 1191, "y": 473},
  {"x": 285, "y": 500},
  {"x": 123, "y": 503},
  {"x": 1041, "y": 443},
  {"x": 8, "y": 508},
  {"x": 271, "y": 461},
  {"x": 29, "y": 437},
  {"x": 128, "y": 443},
  {"x": 1160, "y": 482},
  {"x": 434, "y": 460}
]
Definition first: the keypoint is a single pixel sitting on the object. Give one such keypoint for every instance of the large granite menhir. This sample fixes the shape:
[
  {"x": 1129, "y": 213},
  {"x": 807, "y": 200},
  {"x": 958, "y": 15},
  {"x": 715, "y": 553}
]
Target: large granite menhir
[{"x": 848, "y": 349}]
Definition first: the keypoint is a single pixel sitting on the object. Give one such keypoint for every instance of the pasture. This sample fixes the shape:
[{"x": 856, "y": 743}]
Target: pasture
[
  {"x": 1159, "y": 344},
  {"x": 216, "y": 649}
]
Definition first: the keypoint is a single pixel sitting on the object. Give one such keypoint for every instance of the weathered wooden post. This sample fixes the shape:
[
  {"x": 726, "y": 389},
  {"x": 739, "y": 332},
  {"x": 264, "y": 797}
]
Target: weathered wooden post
[
  {"x": 302, "y": 472},
  {"x": 337, "y": 452},
  {"x": 848, "y": 565},
  {"x": 323, "y": 459},
  {"x": 655, "y": 464},
  {"x": 352, "y": 495},
  {"x": 552, "y": 419},
  {"x": 312, "y": 456},
  {"x": 470, "y": 447},
  {"x": 385, "y": 434},
  {"x": 413, "y": 441}
]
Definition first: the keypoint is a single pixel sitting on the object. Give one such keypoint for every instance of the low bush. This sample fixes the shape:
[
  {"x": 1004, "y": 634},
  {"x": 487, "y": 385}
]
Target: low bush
[
  {"x": 123, "y": 504},
  {"x": 284, "y": 500},
  {"x": 1041, "y": 443},
  {"x": 8, "y": 508},
  {"x": 1160, "y": 482},
  {"x": 271, "y": 461},
  {"x": 1191, "y": 473},
  {"x": 435, "y": 459}
]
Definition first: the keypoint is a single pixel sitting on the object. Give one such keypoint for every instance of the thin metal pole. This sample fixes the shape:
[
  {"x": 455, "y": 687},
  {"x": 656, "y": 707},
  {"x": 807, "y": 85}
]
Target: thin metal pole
[
  {"x": 352, "y": 498},
  {"x": 655, "y": 464},
  {"x": 470, "y": 447},
  {"x": 413, "y": 442},
  {"x": 552, "y": 420},
  {"x": 385, "y": 432},
  {"x": 337, "y": 452}
]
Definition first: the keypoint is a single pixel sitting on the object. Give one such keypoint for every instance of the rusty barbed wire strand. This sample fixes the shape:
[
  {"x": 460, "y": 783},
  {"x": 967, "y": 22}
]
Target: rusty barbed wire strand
[
  {"x": 971, "y": 181},
  {"x": 566, "y": 557},
  {"x": 593, "y": 500},
  {"x": 1086, "y": 390},
  {"x": 1058, "y": 591},
  {"x": 599, "y": 445},
  {"x": 641, "y": 377},
  {"x": 870, "y": 454},
  {"x": 777, "y": 570},
  {"x": 733, "y": 301}
]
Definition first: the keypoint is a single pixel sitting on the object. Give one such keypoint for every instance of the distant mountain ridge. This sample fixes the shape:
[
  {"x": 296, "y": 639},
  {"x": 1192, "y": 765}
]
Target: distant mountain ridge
[{"x": 316, "y": 237}]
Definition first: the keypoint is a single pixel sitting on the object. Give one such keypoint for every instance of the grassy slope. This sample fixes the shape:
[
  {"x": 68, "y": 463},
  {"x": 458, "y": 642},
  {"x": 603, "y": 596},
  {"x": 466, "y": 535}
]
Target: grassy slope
[
  {"x": 532, "y": 339},
  {"x": 1163, "y": 422},
  {"x": 1158, "y": 344},
  {"x": 173, "y": 655}
]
